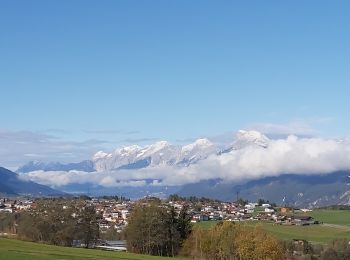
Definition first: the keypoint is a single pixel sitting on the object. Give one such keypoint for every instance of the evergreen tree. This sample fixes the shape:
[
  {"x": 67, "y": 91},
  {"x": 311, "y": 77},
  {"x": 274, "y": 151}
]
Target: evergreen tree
[
  {"x": 156, "y": 230},
  {"x": 88, "y": 226}
]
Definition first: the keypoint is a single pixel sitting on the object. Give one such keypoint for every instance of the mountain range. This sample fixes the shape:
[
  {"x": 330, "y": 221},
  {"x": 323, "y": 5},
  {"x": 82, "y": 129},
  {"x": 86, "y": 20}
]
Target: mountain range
[
  {"x": 157, "y": 154},
  {"x": 302, "y": 189},
  {"x": 289, "y": 189}
]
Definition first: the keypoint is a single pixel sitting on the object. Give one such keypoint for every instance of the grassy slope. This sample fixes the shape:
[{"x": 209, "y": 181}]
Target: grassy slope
[
  {"x": 337, "y": 225},
  {"x": 14, "y": 249}
]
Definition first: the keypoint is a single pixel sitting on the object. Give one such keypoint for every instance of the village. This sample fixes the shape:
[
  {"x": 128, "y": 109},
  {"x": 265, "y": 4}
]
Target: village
[{"x": 114, "y": 213}]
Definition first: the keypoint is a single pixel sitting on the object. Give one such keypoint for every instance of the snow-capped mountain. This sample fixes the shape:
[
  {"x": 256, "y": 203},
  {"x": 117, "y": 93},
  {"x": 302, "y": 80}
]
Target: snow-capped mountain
[
  {"x": 108, "y": 161},
  {"x": 164, "y": 153},
  {"x": 160, "y": 153},
  {"x": 157, "y": 154},
  {"x": 199, "y": 150},
  {"x": 246, "y": 138},
  {"x": 247, "y": 150}
]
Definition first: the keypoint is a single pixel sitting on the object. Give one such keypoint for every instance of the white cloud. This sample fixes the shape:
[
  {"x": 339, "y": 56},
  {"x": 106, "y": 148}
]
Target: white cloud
[{"x": 290, "y": 155}]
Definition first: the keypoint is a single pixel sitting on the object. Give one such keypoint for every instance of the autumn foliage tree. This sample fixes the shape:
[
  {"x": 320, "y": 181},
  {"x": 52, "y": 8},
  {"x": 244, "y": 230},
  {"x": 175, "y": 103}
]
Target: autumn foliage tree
[{"x": 227, "y": 241}]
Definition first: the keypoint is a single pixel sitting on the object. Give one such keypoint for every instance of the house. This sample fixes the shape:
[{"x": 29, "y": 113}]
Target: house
[
  {"x": 208, "y": 209},
  {"x": 306, "y": 210},
  {"x": 303, "y": 220},
  {"x": 104, "y": 224},
  {"x": 6, "y": 209},
  {"x": 250, "y": 206},
  {"x": 286, "y": 210},
  {"x": 215, "y": 216},
  {"x": 200, "y": 217},
  {"x": 269, "y": 210},
  {"x": 125, "y": 213}
]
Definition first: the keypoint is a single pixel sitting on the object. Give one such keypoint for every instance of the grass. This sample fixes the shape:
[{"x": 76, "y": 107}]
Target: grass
[
  {"x": 11, "y": 249},
  {"x": 336, "y": 225},
  {"x": 337, "y": 217},
  {"x": 206, "y": 224},
  {"x": 313, "y": 233}
]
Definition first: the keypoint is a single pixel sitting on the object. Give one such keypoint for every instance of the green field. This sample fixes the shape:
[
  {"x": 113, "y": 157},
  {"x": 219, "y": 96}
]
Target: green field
[
  {"x": 338, "y": 217},
  {"x": 313, "y": 233},
  {"x": 11, "y": 249},
  {"x": 336, "y": 225}
]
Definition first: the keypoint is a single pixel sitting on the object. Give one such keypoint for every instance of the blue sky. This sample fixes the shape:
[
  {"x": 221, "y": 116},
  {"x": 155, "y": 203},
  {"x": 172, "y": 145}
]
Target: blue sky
[{"x": 122, "y": 71}]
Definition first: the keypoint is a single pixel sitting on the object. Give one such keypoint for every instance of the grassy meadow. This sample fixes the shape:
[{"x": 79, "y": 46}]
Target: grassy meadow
[
  {"x": 336, "y": 224},
  {"x": 11, "y": 249},
  {"x": 336, "y": 217}
]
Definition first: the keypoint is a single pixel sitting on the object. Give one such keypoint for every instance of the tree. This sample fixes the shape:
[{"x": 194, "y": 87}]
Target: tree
[
  {"x": 184, "y": 225},
  {"x": 112, "y": 234},
  {"x": 88, "y": 226},
  {"x": 7, "y": 222},
  {"x": 156, "y": 230},
  {"x": 242, "y": 202},
  {"x": 229, "y": 241}
]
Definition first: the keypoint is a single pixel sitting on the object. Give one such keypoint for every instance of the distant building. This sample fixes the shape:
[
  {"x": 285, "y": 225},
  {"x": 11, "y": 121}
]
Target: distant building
[
  {"x": 286, "y": 210},
  {"x": 269, "y": 210}
]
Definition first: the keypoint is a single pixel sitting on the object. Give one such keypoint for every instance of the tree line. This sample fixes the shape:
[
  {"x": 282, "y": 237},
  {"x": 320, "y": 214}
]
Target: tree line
[
  {"x": 55, "y": 222},
  {"x": 192, "y": 199}
]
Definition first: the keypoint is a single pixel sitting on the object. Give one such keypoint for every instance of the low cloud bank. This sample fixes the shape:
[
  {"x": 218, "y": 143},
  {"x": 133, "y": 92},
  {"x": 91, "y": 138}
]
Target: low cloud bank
[{"x": 291, "y": 155}]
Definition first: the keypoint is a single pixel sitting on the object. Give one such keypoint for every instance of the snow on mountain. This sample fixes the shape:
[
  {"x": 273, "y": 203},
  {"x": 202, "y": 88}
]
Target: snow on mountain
[
  {"x": 164, "y": 153},
  {"x": 109, "y": 161},
  {"x": 196, "y": 151},
  {"x": 157, "y": 154},
  {"x": 246, "y": 138},
  {"x": 160, "y": 153}
]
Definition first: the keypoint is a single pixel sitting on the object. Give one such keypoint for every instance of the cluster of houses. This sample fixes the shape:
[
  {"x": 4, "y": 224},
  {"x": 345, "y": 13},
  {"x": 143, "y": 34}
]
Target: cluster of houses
[
  {"x": 114, "y": 213},
  {"x": 253, "y": 212},
  {"x": 12, "y": 206}
]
